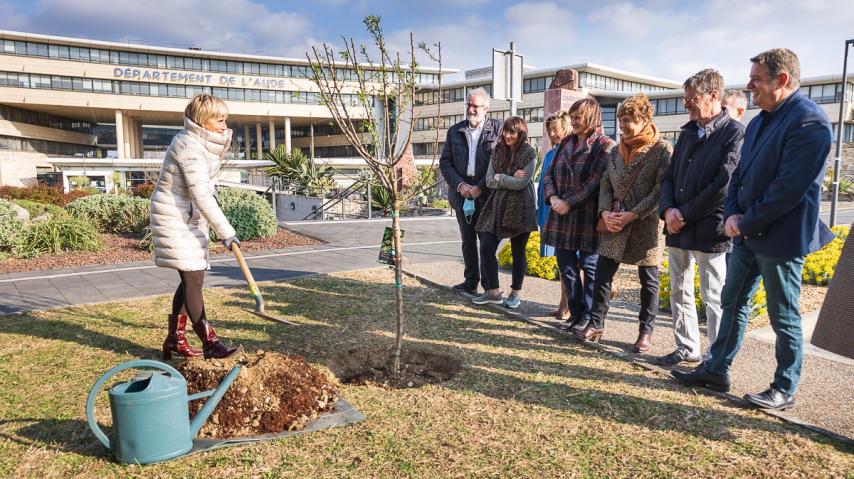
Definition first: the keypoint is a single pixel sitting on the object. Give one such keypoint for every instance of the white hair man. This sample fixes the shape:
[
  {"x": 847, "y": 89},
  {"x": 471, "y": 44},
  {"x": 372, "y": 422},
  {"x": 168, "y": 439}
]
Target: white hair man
[
  {"x": 735, "y": 103},
  {"x": 464, "y": 161}
]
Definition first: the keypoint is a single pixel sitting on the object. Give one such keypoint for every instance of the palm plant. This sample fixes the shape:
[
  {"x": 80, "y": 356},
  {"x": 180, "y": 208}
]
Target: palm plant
[{"x": 296, "y": 169}]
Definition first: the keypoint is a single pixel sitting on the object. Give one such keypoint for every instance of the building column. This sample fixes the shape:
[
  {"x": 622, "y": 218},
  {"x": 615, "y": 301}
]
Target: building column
[
  {"x": 247, "y": 149},
  {"x": 288, "y": 134},
  {"x": 127, "y": 135},
  {"x": 272, "y": 135},
  {"x": 120, "y": 135},
  {"x": 133, "y": 140},
  {"x": 259, "y": 144},
  {"x": 140, "y": 144}
]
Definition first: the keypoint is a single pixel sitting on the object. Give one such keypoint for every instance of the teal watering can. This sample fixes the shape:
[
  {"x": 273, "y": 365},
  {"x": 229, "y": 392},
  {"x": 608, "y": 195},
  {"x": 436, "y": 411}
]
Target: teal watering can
[{"x": 151, "y": 417}]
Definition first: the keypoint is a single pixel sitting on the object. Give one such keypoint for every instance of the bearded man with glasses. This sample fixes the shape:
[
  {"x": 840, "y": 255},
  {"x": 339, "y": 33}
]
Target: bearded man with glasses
[{"x": 465, "y": 158}]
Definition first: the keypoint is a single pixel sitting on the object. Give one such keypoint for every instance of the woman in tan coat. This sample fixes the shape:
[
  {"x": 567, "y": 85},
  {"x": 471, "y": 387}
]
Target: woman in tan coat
[
  {"x": 183, "y": 204},
  {"x": 628, "y": 212}
]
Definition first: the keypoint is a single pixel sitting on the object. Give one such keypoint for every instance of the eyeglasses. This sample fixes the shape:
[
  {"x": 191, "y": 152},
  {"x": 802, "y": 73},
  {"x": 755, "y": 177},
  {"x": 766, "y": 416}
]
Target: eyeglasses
[
  {"x": 472, "y": 105},
  {"x": 694, "y": 98}
]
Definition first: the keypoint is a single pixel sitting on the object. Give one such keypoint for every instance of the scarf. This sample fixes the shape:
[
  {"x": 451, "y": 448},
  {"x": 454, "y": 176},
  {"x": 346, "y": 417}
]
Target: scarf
[{"x": 631, "y": 147}]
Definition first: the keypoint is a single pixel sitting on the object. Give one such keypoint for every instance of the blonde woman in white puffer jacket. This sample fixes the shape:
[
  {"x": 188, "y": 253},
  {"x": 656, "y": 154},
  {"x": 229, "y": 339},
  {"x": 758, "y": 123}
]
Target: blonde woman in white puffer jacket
[{"x": 183, "y": 204}]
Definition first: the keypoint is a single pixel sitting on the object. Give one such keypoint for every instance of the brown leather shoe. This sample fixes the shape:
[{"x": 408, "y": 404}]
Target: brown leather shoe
[
  {"x": 590, "y": 334},
  {"x": 643, "y": 343}
]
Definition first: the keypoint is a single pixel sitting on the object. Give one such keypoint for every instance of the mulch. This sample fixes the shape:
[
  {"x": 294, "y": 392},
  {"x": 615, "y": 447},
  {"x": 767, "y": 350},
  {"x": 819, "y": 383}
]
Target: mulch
[{"x": 125, "y": 249}]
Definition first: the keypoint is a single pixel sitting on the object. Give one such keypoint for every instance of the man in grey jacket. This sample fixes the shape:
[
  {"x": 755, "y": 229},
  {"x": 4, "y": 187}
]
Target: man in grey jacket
[
  {"x": 464, "y": 161},
  {"x": 692, "y": 204}
]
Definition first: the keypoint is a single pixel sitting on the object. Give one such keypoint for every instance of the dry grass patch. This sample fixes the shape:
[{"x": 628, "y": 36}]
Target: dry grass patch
[{"x": 526, "y": 403}]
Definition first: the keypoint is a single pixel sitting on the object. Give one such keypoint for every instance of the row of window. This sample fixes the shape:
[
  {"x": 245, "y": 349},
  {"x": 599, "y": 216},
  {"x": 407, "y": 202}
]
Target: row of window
[
  {"x": 828, "y": 93},
  {"x": 531, "y": 115},
  {"x": 54, "y": 148},
  {"x": 602, "y": 82},
  {"x": 534, "y": 85},
  {"x": 54, "y": 82},
  {"x": 96, "y": 55},
  {"x": 43, "y": 119},
  {"x": 338, "y": 151},
  {"x": 433, "y": 123}
]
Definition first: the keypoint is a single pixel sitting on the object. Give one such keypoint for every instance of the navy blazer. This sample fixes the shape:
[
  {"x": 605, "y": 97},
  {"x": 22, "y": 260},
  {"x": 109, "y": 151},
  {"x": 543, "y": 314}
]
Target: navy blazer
[
  {"x": 777, "y": 184},
  {"x": 454, "y": 160}
]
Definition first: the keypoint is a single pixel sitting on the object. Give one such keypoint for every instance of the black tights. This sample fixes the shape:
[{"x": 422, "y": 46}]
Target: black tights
[{"x": 188, "y": 296}]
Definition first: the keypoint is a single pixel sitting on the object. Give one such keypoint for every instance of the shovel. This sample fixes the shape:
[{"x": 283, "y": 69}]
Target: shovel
[{"x": 253, "y": 288}]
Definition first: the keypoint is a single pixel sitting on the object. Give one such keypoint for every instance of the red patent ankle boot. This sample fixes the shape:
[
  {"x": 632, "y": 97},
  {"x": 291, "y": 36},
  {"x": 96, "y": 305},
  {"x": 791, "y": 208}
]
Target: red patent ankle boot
[
  {"x": 176, "y": 339},
  {"x": 211, "y": 345}
]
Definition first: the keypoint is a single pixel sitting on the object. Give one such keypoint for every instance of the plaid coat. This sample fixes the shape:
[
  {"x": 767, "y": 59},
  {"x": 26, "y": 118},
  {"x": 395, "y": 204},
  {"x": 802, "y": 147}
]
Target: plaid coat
[
  {"x": 575, "y": 178},
  {"x": 640, "y": 242}
]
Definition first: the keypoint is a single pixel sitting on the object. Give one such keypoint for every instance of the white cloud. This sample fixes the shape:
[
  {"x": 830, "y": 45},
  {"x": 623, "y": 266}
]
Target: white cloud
[{"x": 226, "y": 25}]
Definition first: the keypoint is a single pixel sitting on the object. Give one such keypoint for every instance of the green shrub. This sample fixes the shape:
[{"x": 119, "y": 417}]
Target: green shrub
[
  {"x": 537, "y": 265},
  {"x": 820, "y": 266},
  {"x": 248, "y": 212},
  {"x": 112, "y": 213},
  {"x": 758, "y": 306},
  {"x": 10, "y": 225},
  {"x": 442, "y": 203},
  {"x": 37, "y": 209},
  {"x": 57, "y": 235}
]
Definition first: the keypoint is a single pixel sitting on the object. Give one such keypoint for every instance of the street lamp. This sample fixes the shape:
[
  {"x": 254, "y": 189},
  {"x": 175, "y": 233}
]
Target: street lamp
[{"x": 840, "y": 129}]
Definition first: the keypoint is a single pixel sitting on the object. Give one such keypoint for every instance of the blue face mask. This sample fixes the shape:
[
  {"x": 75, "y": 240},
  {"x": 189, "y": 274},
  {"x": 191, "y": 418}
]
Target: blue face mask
[{"x": 468, "y": 208}]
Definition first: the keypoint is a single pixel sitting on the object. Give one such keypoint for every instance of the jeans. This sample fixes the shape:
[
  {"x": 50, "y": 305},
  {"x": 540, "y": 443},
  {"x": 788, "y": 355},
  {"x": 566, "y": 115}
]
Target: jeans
[
  {"x": 489, "y": 262},
  {"x": 686, "y": 328},
  {"x": 571, "y": 263},
  {"x": 606, "y": 268},
  {"x": 469, "y": 236},
  {"x": 782, "y": 279}
]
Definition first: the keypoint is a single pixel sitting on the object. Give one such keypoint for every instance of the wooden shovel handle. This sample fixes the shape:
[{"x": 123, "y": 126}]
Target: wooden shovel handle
[{"x": 245, "y": 269}]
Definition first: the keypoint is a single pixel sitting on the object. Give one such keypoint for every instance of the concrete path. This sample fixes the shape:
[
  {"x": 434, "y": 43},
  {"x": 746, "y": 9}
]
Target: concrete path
[{"x": 349, "y": 245}]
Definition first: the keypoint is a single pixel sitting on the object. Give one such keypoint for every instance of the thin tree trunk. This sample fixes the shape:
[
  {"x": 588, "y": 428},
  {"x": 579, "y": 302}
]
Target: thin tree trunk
[{"x": 398, "y": 278}]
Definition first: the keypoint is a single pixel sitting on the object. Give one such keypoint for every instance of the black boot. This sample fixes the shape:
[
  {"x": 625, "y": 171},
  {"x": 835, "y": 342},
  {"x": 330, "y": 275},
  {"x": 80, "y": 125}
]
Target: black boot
[{"x": 211, "y": 346}]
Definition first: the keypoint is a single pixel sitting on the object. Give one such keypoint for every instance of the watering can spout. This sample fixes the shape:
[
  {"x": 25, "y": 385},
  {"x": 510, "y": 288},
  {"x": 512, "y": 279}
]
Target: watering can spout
[{"x": 211, "y": 403}]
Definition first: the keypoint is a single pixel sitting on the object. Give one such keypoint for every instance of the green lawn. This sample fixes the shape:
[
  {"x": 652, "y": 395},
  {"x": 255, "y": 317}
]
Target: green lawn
[{"x": 526, "y": 403}]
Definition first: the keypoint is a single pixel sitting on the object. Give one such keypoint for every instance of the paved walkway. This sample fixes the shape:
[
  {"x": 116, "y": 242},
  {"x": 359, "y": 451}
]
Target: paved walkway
[
  {"x": 350, "y": 245},
  {"x": 433, "y": 250}
]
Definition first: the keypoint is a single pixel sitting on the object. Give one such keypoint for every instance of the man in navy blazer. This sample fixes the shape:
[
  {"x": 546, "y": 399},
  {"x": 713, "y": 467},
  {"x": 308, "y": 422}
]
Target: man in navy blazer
[
  {"x": 771, "y": 211},
  {"x": 464, "y": 161}
]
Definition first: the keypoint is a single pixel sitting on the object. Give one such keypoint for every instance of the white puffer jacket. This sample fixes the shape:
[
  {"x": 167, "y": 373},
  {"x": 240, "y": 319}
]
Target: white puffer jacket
[{"x": 184, "y": 200}]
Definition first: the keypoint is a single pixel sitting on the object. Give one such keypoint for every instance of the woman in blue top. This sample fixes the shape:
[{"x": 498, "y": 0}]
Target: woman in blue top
[{"x": 558, "y": 127}]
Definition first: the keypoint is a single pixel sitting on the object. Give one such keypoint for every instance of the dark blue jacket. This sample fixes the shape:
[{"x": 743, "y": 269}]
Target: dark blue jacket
[
  {"x": 454, "y": 160},
  {"x": 777, "y": 184},
  {"x": 697, "y": 180}
]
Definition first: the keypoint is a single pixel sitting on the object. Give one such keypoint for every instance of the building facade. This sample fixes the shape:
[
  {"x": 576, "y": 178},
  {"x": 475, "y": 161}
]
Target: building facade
[
  {"x": 609, "y": 87},
  {"x": 108, "y": 111},
  {"x": 103, "y": 113}
]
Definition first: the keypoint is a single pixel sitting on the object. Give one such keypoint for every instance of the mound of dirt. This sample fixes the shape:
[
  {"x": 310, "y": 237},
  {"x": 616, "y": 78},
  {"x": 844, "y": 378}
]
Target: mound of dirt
[{"x": 272, "y": 393}]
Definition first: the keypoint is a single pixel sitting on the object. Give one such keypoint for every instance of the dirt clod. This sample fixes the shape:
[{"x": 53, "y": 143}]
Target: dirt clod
[{"x": 272, "y": 393}]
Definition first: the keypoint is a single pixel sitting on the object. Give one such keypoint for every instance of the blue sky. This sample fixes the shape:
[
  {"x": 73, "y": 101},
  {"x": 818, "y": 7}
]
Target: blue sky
[{"x": 664, "y": 38}]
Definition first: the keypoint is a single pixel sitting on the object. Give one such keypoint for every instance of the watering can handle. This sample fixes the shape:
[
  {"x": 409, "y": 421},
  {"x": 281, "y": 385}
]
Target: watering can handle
[{"x": 93, "y": 394}]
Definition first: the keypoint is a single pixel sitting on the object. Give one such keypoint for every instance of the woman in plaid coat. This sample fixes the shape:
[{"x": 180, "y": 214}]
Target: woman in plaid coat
[{"x": 571, "y": 185}]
